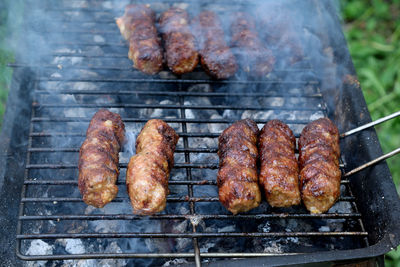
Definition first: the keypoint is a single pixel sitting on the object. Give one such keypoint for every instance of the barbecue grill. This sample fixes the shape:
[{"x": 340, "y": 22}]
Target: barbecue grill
[{"x": 85, "y": 67}]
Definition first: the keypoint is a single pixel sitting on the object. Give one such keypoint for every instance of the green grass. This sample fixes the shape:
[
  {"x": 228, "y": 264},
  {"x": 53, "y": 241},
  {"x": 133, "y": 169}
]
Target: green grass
[
  {"x": 6, "y": 56},
  {"x": 373, "y": 33}
]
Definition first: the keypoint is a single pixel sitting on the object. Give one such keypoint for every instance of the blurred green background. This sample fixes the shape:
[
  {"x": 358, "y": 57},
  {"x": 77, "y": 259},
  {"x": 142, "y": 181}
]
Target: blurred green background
[{"x": 372, "y": 29}]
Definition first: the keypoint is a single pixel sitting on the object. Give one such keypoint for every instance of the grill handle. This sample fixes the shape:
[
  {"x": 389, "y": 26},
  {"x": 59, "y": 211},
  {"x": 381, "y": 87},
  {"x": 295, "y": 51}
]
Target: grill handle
[
  {"x": 372, "y": 162},
  {"x": 368, "y": 125},
  {"x": 363, "y": 127}
]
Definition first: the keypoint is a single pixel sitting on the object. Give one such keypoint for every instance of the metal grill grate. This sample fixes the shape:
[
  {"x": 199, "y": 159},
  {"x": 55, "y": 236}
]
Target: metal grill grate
[{"x": 71, "y": 86}]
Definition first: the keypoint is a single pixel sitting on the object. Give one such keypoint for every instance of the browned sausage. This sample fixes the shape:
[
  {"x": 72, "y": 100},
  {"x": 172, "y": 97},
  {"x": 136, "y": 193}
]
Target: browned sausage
[
  {"x": 148, "y": 171},
  {"x": 253, "y": 56},
  {"x": 320, "y": 175},
  {"x": 137, "y": 25},
  {"x": 216, "y": 56},
  {"x": 180, "y": 46},
  {"x": 237, "y": 175},
  {"x": 98, "y": 158},
  {"x": 279, "y": 172}
]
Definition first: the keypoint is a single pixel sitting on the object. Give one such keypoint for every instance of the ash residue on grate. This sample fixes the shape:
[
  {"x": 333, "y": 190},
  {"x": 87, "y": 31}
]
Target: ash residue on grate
[{"x": 84, "y": 67}]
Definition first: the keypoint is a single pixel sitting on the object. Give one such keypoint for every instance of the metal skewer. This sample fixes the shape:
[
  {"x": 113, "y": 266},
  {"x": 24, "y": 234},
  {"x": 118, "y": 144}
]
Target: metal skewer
[
  {"x": 372, "y": 162},
  {"x": 363, "y": 127},
  {"x": 368, "y": 125}
]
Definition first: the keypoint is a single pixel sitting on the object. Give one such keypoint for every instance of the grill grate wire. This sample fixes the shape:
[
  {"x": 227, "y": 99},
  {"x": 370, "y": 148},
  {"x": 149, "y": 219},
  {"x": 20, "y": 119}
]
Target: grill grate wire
[{"x": 43, "y": 125}]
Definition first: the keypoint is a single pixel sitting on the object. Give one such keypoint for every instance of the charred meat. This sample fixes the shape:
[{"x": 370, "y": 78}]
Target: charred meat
[
  {"x": 216, "y": 57},
  {"x": 148, "y": 171},
  {"x": 278, "y": 165},
  {"x": 320, "y": 175},
  {"x": 137, "y": 25},
  {"x": 180, "y": 46},
  {"x": 237, "y": 176},
  {"x": 98, "y": 158}
]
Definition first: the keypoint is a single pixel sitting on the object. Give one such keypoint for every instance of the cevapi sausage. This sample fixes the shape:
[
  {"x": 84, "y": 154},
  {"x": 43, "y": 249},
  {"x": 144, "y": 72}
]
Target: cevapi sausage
[
  {"x": 279, "y": 170},
  {"x": 180, "y": 46},
  {"x": 237, "y": 176},
  {"x": 253, "y": 55},
  {"x": 320, "y": 175},
  {"x": 98, "y": 158},
  {"x": 215, "y": 55},
  {"x": 137, "y": 25},
  {"x": 148, "y": 171}
]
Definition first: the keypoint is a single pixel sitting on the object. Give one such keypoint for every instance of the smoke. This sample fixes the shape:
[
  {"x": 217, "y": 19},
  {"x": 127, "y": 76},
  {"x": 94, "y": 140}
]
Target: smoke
[{"x": 81, "y": 50}]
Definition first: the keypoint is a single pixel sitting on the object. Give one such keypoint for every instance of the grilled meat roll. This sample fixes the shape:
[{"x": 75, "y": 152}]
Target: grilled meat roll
[
  {"x": 320, "y": 175},
  {"x": 237, "y": 176},
  {"x": 180, "y": 46},
  {"x": 137, "y": 25},
  {"x": 215, "y": 55},
  {"x": 254, "y": 57},
  {"x": 148, "y": 171},
  {"x": 98, "y": 158},
  {"x": 279, "y": 172}
]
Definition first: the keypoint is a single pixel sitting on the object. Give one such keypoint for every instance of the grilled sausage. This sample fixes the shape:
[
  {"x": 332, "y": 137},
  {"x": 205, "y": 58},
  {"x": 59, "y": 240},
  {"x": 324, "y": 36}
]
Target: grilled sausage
[
  {"x": 137, "y": 25},
  {"x": 98, "y": 158},
  {"x": 237, "y": 176},
  {"x": 148, "y": 171},
  {"x": 279, "y": 171},
  {"x": 179, "y": 42},
  {"x": 320, "y": 175},
  {"x": 215, "y": 55},
  {"x": 254, "y": 57}
]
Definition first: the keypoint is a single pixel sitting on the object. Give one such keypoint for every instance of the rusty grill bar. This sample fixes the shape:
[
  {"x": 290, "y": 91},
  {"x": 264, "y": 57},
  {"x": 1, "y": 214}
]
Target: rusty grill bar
[{"x": 49, "y": 99}]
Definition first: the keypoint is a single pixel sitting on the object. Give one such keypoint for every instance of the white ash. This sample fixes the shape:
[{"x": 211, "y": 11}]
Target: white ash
[
  {"x": 342, "y": 207},
  {"x": 181, "y": 5},
  {"x": 38, "y": 247},
  {"x": 316, "y": 116},
  {"x": 146, "y": 112},
  {"x": 181, "y": 244},
  {"x": 216, "y": 127},
  {"x": 167, "y": 75},
  {"x": 161, "y": 112},
  {"x": 227, "y": 229},
  {"x": 276, "y": 101},
  {"x": 76, "y": 4},
  {"x": 229, "y": 114},
  {"x": 189, "y": 114},
  {"x": 107, "y": 5},
  {"x": 72, "y": 246},
  {"x": 98, "y": 38},
  {"x": 79, "y": 263},
  {"x": 273, "y": 247},
  {"x": 75, "y": 113},
  {"x": 204, "y": 248},
  {"x": 200, "y": 87},
  {"x": 175, "y": 262},
  {"x": 265, "y": 228},
  {"x": 65, "y": 60},
  {"x": 88, "y": 74},
  {"x": 130, "y": 145},
  {"x": 113, "y": 248},
  {"x": 324, "y": 229},
  {"x": 56, "y": 75},
  {"x": 95, "y": 50},
  {"x": 83, "y": 86},
  {"x": 65, "y": 50}
]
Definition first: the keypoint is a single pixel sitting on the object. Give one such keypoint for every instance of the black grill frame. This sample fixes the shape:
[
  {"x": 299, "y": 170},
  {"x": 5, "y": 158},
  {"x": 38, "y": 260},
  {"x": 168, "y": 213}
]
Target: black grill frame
[{"x": 187, "y": 151}]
